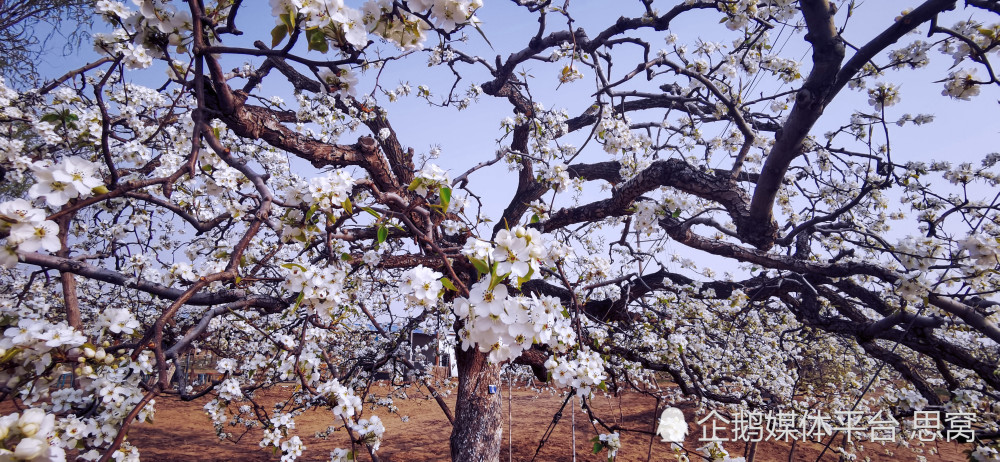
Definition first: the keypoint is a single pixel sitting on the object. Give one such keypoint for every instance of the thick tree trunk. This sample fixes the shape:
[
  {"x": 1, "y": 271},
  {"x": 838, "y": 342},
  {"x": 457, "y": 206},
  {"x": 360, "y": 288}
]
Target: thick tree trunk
[{"x": 476, "y": 435}]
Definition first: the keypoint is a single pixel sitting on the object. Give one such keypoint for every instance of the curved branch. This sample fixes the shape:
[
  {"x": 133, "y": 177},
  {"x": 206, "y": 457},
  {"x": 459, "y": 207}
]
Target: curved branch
[{"x": 158, "y": 290}]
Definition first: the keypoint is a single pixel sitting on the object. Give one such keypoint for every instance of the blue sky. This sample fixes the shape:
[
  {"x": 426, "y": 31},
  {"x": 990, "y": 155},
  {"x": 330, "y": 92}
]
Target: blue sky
[{"x": 962, "y": 131}]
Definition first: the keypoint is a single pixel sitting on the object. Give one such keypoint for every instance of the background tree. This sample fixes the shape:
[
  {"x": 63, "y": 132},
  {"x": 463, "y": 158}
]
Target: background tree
[
  {"x": 28, "y": 27},
  {"x": 638, "y": 153}
]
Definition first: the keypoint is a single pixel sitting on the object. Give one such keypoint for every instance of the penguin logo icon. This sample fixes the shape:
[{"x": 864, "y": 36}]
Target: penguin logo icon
[{"x": 672, "y": 427}]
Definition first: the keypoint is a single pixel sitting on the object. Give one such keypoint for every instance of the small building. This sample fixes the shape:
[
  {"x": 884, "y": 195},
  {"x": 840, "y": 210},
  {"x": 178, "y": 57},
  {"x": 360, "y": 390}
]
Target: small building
[{"x": 431, "y": 349}]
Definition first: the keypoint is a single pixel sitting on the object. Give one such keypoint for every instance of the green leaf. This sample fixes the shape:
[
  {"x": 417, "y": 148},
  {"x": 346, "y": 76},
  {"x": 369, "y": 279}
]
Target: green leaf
[
  {"x": 345, "y": 256},
  {"x": 448, "y": 284},
  {"x": 288, "y": 20},
  {"x": 534, "y": 218},
  {"x": 348, "y": 206},
  {"x": 483, "y": 34},
  {"x": 317, "y": 40},
  {"x": 371, "y": 211},
  {"x": 10, "y": 354},
  {"x": 525, "y": 278},
  {"x": 495, "y": 279},
  {"x": 278, "y": 34},
  {"x": 100, "y": 189},
  {"x": 598, "y": 447},
  {"x": 383, "y": 233},
  {"x": 310, "y": 212},
  {"x": 480, "y": 265},
  {"x": 445, "y": 193},
  {"x": 676, "y": 213},
  {"x": 294, "y": 265},
  {"x": 415, "y": 184}
]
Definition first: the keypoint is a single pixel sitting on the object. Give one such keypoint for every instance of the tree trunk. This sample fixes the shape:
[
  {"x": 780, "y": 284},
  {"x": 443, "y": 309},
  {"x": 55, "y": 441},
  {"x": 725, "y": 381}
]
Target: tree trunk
[{"x": 476, "y": 435}]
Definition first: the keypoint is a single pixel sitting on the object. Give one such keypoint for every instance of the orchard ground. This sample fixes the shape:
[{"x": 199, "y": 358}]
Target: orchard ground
[{"x": 182, "y": 432}]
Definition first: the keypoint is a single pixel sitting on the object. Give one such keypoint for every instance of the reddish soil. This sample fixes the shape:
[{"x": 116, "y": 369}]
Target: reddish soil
[{"x": 182, "y": 432}]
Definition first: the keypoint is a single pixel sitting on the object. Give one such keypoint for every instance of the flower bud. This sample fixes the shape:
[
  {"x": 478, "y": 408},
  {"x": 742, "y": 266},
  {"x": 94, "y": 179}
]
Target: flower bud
[
  {"x": 5, "y": 423},
  {"x": 29, "y": 448},
  {"x": 30, "y": 422}
]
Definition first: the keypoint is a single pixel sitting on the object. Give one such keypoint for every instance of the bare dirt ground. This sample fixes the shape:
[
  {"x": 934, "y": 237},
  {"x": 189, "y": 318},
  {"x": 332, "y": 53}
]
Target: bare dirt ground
[{"x": 182, "y": 432}]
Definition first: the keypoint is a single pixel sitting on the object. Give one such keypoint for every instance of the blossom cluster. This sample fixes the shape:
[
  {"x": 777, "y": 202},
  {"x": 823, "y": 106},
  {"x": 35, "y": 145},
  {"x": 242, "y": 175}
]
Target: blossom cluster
[
  {"x": 422, "y": 286},
  {"x": 502, "y": 324},
  {"x": 448, "y": 14},
  {"x": 342, "y": 81},
  {"x": 518, "y": 252},
  {"x": 612, "y": 442},
  {"x": 582, "y": 370},
  {"x": 132, "y": 43},
  {"x": 86, "y": 416},
  {"x": 381, "y": 18},
  {"x": 430, "y": 178},
  {"x": 57, "y": 184},
  {"x": 558, "y": 176},
  {"x": 404, "y": 30},
  {"x": 918, "y": 253},
  {"x": 331, "y": 191},
  {"x": 883, "y": 95},
  {"x": 505, "y": 325},
  {"x": 325, "y": 14},
  {"x": 118, "y": 321},
  {"x": 321, "y": 290},
  {"x": 645, "y": 218},
  {"x": 615, "y": 133},
  {"x": 570, "y": 73},
  {"x": 27, "y": 231},
  {"x": 961, "y": 84},
  {"x": 36, "y": 429},
  {"x": 229, "y": 390},
  {"x": 348, "y": 404},
  {"x": 713, "y": 451},
  {"x": 341, "y": 455},
  {"x": 32, "y": 341},
  {"x": 369, "y": 431},
  {"x": 984, "y": 251},
  {"x": 743, "y": 13}
]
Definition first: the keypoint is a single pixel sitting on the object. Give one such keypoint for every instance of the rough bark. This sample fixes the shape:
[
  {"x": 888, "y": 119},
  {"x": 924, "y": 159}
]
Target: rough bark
[{"x": 476, "y": 435}]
